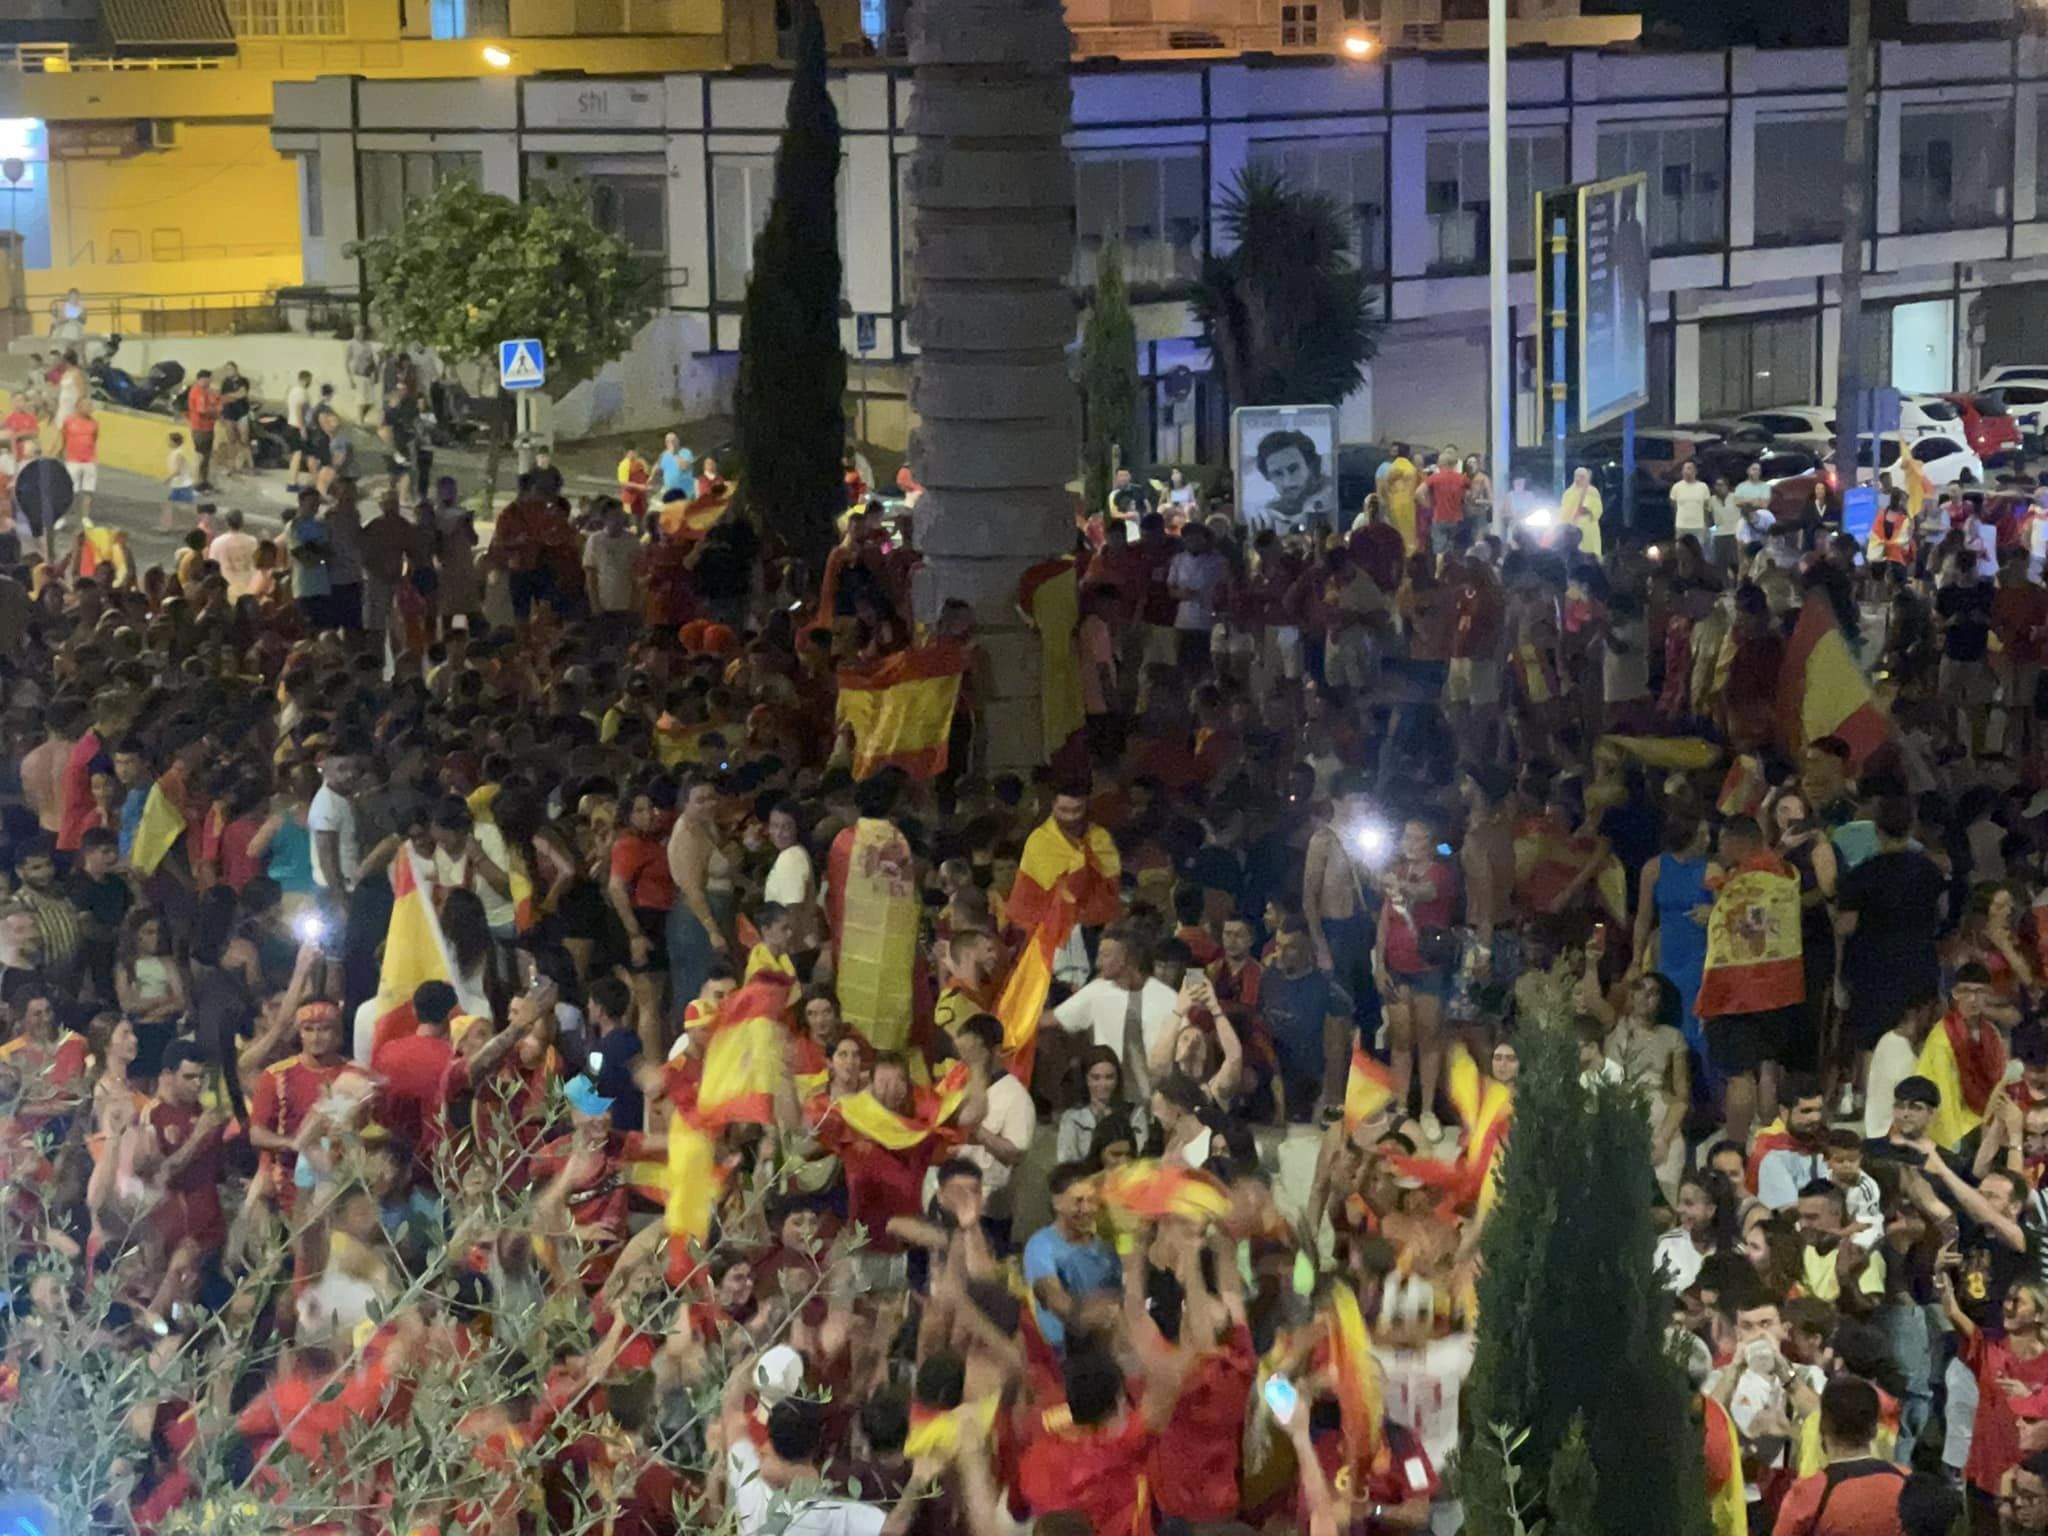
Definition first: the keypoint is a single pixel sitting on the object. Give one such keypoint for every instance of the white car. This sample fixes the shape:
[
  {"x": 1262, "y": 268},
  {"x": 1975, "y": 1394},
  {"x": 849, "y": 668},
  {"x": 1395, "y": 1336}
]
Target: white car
[
  {"x": 1920, "y": 415},
  {"x": 2025, "y": 400},
  {"x": 1944, "y": 459},
  {"x": 1803, "y": 426},
  {"x": 2009, "y": 373}
]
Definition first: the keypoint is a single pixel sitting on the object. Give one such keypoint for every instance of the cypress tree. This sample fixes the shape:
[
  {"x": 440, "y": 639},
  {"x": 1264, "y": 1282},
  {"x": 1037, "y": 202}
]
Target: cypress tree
[
  {"x": 791, "y": 401},
  {"x": 1109, "y": 375},
  {"x": 1571, "y": 1326}
]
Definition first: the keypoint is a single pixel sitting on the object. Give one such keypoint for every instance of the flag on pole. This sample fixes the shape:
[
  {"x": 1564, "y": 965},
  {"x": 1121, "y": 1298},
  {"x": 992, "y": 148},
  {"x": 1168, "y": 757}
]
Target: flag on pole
[
  {"x": 1823, "y": 692},
  {"x": 1059, "y": 883},
  {"x": 901, "y": 708},
  {"x": 1357, "y": 1377}
]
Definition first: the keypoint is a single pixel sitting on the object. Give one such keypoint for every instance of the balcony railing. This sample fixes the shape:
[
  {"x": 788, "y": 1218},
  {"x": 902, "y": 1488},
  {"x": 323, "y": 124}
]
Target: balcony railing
[{"x": 58, "y": 59}]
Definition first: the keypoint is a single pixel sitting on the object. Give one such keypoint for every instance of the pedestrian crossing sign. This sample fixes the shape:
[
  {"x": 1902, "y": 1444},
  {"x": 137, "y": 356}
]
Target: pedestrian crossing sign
[{"x": 522, "y": 364}]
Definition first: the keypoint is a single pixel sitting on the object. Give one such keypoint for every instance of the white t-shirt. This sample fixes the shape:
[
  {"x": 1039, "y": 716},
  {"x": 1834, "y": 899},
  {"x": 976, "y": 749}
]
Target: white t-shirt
[
  {"x": 1420, "y": 1389},
  {"x": 1202, "y": 575},
  {"x": 298, "y": 407},
  {"x": 1727, "y": 515},
  {"x": 333, "y": 813},
  {"x": 759, "y": 1509},
  {"x": 235, "y": 554},
  {"x": 1675, "y": 1260},
  {"x": 789, "y": 881},
  {"x": 1689, "y": 500},
  {"x": 1894, "y": 1059},
  {"x": 500, "y": 912},
  {"x": 1012, "y": 1116},
  {"x": 1099, "y": 1010},
  {"x": 610, "y": 557}
]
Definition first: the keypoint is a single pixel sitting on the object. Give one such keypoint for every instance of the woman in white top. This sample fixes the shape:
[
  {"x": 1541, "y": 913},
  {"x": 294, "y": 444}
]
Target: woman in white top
[
  {"x": 1707, "y": 1224},
  {"x": 1646, "y": 1043},
  {"x": 792, "y": 881}
]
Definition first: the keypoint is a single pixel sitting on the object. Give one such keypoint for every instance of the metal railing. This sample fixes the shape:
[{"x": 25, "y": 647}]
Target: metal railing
[
  {"x": 225, "y": 313},
  {"x": 58, "y": 59}
]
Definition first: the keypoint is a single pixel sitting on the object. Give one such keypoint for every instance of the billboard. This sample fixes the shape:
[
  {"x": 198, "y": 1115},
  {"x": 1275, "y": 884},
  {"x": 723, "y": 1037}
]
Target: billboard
[
  {"x": 1613, "y": 253},
  {"x": 1286, "y": 462}
]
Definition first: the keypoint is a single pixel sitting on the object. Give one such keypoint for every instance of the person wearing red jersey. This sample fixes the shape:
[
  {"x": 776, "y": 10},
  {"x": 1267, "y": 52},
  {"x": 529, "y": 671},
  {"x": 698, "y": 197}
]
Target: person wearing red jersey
[
  {"x": 287, "y": 1091},
  {"x": 886, "y": 1141},
  {"x": 1193, "y": 1465},
  {"x": 177, "y": 1147},
  {"x": 52, "y": 1061}
]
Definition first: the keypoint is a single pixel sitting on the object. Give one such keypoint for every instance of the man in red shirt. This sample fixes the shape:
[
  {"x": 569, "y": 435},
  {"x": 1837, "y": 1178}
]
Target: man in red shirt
[
  {"x": 1856, "y": 1493},
  {"x": 181, "y": 1143},
  {"x": 81, "y": 434},
  {"x": 112, "y": 709},
  {"x": 287, "y": 1091},
  {"x": 21, "y": 422},
  {"x": 1446, "y": 485},
  {"x": 883, "y": 1181},
  {"x": 202, "y": 414},
  {"x": 413, "y": 1069},
  {"x": 1193, "y": 1464},
  {"x": 2019, "y": 617},
  {"x": 1089, "y": 1455}
]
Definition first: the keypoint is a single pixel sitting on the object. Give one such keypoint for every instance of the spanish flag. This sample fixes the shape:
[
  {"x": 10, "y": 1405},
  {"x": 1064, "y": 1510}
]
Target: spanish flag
[
  {"x": 1684, "y": 754},
  {"x": 414, "y": 949},
  {"x": 1050, "y": 594},
  {"x": 1547, "y": 861},
  {"x": 1966, "y": 1066},
  {"x": 1725, "y": 1503},
  {"x": 1367, "y": 1090},
  {"x": 1357, "y": 1377},
  {"x": 743, "y": 1058},
  {"x": 162, "y": 824},
  {"x": 103, "y": 554},
  {"x": 1753, "y": 943},
  {"x": 1151, "y": 1191},
  {"x": 940, "y": 1432},
  {"x": 1918, "y": 487},
  {"x": 901, "y": 708},
  {"x": 1743, "y": 787},
  {"x": 1823, "y": 692},
  {"x": 1486, "y": 1110},
  {"x": 868, "y": 1116},
  {"x": 694, "y": 518},
  {"x": 1059, "y": 883}
]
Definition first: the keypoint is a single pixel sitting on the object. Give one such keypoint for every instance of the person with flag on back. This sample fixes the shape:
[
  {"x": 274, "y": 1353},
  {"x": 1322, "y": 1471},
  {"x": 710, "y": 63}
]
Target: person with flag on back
[{"x": 1753, "y": 990}]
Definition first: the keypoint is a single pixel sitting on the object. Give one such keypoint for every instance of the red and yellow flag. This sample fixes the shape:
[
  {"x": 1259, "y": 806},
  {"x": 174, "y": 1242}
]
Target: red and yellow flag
[
  {"x": 1823, "y": 692},
  {"x": 162, "y": 824},
  {"x": 1358, "y": 1380},
  {"x": 414, "y": 949},
  {"x": 1548, "y": 860},
  {"x": 1368, "y": 1089},
  {"x": 1966, "y": 1066},
  {"x": 743, "y": 1057},
  {"x": 901, "y": 708},
  {"x": 1151, "y": 1191},
  {"x": 694, "y": 518},
  {"x": 868, "y": 1116},
  {"x": 1753, "y": 942},
  {"x": 1051, "y": 594},
  {"x": 1743, "y": 787},
  {"x": 1060, "y": 882}
]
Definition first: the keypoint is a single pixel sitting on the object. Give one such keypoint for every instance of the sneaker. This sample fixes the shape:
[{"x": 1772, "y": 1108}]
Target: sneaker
[{"x": 1432, "y": 1130}]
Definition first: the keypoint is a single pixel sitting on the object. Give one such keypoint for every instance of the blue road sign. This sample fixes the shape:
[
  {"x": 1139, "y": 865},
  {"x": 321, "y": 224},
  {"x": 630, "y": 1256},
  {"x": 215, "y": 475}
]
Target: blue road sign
[{"x": 522, "y": 364}]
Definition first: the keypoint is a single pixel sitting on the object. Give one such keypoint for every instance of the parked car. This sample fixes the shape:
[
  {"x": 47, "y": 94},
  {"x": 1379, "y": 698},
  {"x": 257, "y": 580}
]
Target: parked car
[
  {"x": 1788, "y": 469},
  {"x": 1991, "y": 433},
  {"x": 1732, "y": 429},
  {"x": 1944, "y": 458},
  {"x": 1924, "y": 415},
  {"x": 1804, "y": 426},
  {"x": 2027, "y": 404},
  {"x": 2009, "y": 373}
]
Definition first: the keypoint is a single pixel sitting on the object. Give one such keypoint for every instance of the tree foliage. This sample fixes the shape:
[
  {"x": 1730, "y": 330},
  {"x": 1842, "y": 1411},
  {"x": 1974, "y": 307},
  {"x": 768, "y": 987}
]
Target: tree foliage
[
  {"x": 1109, "y": 374},
  {"x": 1285, "y": 310},
  {"x": 1572, "y": 1339},
  {"x": 791, "y": 401},
  {"x": 468, "y": 269}
]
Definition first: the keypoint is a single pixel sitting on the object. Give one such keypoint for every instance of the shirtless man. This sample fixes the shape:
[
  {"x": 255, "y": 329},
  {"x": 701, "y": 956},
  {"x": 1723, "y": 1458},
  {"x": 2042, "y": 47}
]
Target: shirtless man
[
  {"x": 42, "y": 766},
  {"x": 1486, "y": 866},
  {"x": 1331, "y": 889}
]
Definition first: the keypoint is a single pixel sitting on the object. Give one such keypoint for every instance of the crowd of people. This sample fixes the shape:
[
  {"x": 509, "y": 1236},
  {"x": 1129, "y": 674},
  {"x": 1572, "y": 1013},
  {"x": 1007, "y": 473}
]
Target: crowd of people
[{"x": 391, "y": 918}]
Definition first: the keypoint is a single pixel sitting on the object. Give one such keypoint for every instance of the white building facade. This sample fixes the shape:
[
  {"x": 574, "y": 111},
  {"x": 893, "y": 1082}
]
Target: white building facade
[{"x": 1742, "y": 149}]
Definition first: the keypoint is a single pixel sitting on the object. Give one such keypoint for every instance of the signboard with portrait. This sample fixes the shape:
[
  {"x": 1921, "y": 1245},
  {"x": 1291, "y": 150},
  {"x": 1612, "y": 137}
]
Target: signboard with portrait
[
  {"x": 1285, "y": 457},
  {"x": 1613, "y": 254}
]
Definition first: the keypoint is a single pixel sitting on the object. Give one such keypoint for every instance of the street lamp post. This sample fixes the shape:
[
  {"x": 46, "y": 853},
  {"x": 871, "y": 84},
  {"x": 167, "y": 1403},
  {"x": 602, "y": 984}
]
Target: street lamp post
[{"x": 1500, "y": 351}]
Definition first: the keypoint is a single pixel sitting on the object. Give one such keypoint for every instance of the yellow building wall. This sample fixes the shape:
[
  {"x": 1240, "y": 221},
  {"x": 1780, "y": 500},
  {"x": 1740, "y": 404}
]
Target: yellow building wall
[{"x": 218, "y": 213}]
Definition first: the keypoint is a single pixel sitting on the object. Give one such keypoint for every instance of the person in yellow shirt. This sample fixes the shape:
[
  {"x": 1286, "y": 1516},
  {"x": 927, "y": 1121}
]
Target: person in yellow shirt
[
  {"x": 1398, "y": 496},
  {"x": 1581, "y": 509},
  {"x": 776, "y": 927}
]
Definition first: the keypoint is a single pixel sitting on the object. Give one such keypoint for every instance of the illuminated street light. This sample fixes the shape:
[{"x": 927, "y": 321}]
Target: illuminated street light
[
  {"x": 497, "y": 57},
  {"x": 1358, "y": 45}
]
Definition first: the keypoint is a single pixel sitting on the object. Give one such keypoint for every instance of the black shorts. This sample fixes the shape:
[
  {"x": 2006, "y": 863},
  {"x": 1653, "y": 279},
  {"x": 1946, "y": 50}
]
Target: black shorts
[
  {"x": 1739, "y": 1043},
  {"x": 654, "y": 929}
]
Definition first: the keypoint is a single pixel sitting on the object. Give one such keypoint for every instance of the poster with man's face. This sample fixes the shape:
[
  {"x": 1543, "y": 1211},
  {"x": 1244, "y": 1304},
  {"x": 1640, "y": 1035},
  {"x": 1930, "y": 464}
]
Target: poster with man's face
[{"x": 1286, "y": 457}]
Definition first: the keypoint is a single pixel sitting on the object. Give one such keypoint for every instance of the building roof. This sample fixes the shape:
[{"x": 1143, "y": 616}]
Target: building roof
[{"x": 167, "y": 23}]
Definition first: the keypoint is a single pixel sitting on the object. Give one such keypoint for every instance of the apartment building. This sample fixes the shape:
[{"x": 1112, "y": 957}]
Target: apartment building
[{"x": 1742, "y": 149}]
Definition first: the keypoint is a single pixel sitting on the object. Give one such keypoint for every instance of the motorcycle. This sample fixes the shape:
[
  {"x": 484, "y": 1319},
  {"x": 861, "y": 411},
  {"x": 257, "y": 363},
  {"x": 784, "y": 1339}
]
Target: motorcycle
[{"x": 117, "y": 386}]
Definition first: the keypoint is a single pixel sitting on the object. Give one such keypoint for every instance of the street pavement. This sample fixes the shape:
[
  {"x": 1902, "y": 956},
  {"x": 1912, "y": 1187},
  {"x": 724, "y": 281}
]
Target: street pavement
[{"x": 134, "y": 504}]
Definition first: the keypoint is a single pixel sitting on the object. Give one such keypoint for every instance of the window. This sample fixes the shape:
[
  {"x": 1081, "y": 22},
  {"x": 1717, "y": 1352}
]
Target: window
[
  {"x": 1455, "y": 194},
  {"x": 1955, "y": 164},
  {"x": 1352, "y": 171},
  {"x": 288, "y": 18},
  {"x": 310, "y": 205},
  {"x": 626, "y": 201},
  {"x": 1298, "y": 26},
  {"x": 1686, "y": 165},
  {"x": 1747, "y": 365},
  {"x": 1795, "y": 203},
  {"x": 1151, "y": 204},
  {"x": 742, "y": 187},
  {"x": 452, "y": 19},
  {"x": 393, "y": 180}
]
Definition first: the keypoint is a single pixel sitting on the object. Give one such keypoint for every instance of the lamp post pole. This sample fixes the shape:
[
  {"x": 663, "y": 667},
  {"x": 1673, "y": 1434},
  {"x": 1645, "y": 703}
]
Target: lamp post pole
[{"x": 1500, "y": 352}]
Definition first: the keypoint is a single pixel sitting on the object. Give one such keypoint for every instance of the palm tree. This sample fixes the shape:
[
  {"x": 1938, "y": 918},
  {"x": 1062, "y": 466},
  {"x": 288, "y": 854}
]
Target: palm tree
[{"x": 1286, "y": 312}]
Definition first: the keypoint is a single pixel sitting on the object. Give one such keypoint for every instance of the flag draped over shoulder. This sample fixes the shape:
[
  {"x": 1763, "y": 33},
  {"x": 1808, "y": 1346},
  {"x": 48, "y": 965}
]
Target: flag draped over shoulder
[
  {"x": 1753, "y": 942},
  {"x": 1050, "y": 594},
  {"x": 743, "y": 1057},
  {"x": 162, "y": 824},
  {"x": 1966, "y": 1066},
  {"x": 1059, "y": 883},
  {"x": 414, "y": 948},
  {"x": 868, "y": 1116},
  {"x": 901, "y": 708},
  {"x": 871, "y": 902},
  {"x": 1152, "y": 1190},
  {"x": 1823, "y": 692},
  {"x": 1368, "y": 1089}
]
